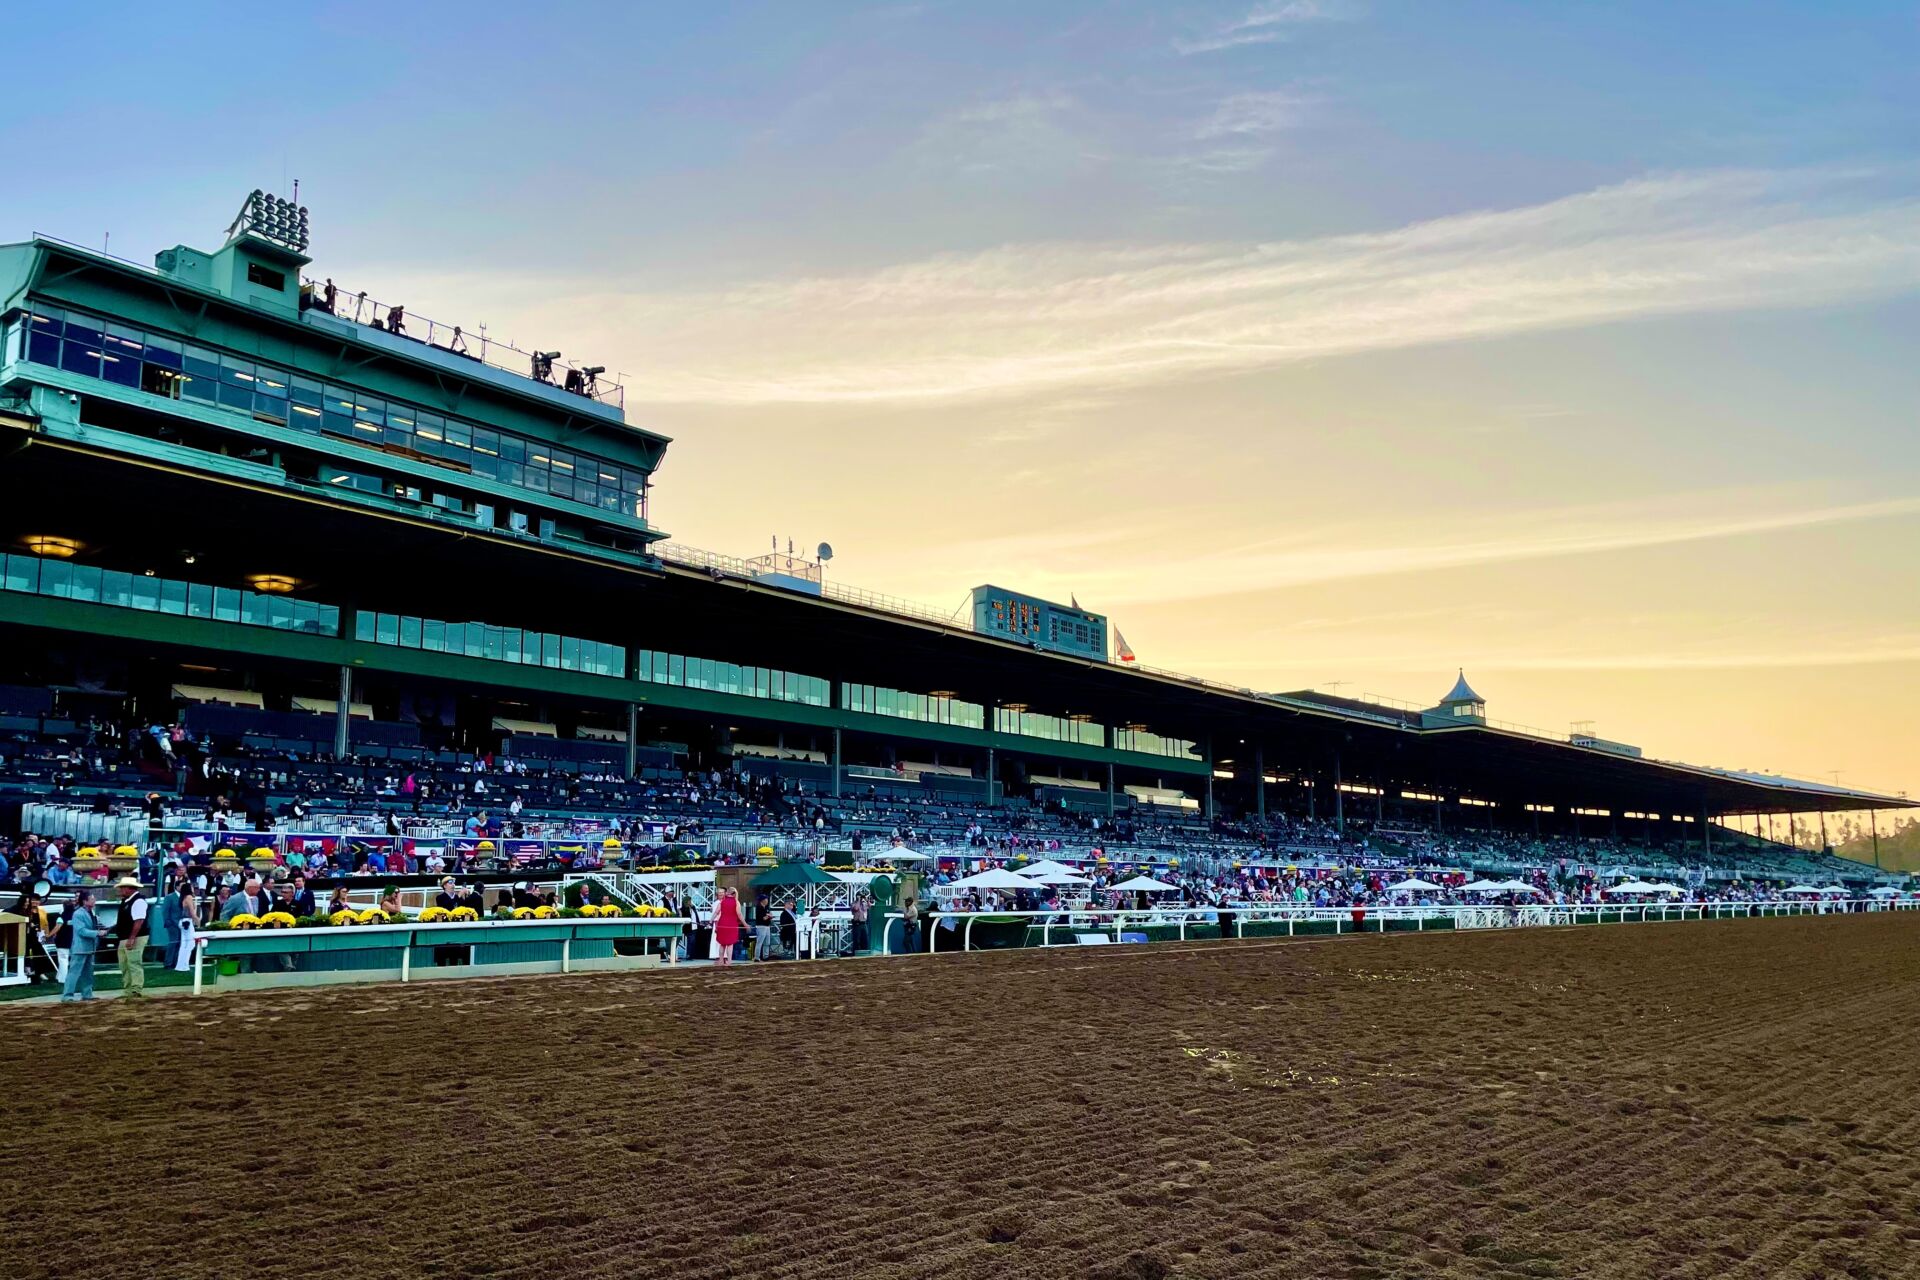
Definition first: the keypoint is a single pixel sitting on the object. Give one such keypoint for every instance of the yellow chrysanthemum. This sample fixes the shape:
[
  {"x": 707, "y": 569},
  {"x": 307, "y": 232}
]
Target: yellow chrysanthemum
[
  {"x": 344, "y": 916},
  {"x": 523, "y": 913},
  {"x": 544, "y": 913},
  {"x": 245, "y": 920},
  {"x": 463, "y": 913},
  {"x": 433, "y": 915},
  {"x": 277, "y": 920},
  {"x": 372, "y": 915}
]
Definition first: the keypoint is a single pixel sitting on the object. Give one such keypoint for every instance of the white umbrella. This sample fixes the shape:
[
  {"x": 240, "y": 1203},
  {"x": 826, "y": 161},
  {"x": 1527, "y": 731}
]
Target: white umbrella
[
  {"x": 1641, "y": 886},
  {"x": 997, "y": 878},
  {"x": 1414, "y": 885},
  {"x": 1056, "y": 877},
  {"x": 1799, "y": 888},
  {"x": 1047, "y": 866},
  {"x": 1484, "y": 886},
  {"x": 901, "y": 854},
  {"x": 1834, "y": 888},
  {"x": 1519, "y": 886},
  {"x": 1144, "y": 884},
  {"x": 1884, "y": 892},
  {"x": 1664, "y": 887}
]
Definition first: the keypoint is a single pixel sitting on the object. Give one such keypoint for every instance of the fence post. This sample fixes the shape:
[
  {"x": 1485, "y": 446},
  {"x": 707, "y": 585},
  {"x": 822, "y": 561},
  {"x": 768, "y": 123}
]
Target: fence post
[{"x": 566, "y": 953}]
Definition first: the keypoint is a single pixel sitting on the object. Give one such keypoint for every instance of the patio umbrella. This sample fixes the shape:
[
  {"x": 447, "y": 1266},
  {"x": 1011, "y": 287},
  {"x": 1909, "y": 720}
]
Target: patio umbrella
[
  {"x": 996, "y": 878},
  {"x": 1884, "y": 892},
  {"x": 1144, "y": 884},
  {"x": 1800, "y": 888},
  {"x": 901, "y": 854},
  {"x": 1046, "y": 866},
  {"x": 1484, "y": 886},
  {"x": 1641, "y": 886},
  {"x": 1414, "y": 885},
  {"x": 1664, "y": 887},
  {"x": 1520, "y": 886}
]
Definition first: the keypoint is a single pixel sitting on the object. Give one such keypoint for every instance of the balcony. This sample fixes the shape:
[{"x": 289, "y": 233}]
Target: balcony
[{"x": 459, "y": 349}]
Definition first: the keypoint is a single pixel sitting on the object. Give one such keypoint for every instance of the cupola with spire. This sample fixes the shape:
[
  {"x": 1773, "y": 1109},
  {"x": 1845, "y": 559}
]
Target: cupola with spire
[{"x": 1460, "y": 704}]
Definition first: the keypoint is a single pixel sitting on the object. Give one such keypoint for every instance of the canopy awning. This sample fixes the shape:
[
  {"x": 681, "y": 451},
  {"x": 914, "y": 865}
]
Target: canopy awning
[
  {"x": 1144, "y": 884},
  {"x": 792, "y": 873},
  {"x": 1414, "y": 885},
  {"x": 995, "y": 878}
]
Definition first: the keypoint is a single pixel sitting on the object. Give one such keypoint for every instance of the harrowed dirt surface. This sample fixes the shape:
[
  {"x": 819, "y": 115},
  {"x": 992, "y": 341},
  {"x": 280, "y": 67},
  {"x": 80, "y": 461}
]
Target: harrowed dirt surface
[{"x": 1724, "y": 1099}]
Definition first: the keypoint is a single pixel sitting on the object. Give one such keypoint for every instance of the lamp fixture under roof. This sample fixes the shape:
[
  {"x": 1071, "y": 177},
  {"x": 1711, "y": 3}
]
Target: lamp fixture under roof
[
  {"x": 52, "y": 545},
  {"x": 276, "y": 584}
]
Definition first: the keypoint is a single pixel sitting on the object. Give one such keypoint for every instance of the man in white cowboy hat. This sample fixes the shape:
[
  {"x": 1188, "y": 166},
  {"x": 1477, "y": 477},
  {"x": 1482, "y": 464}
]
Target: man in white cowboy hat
[{"x": 130, "y": 938}]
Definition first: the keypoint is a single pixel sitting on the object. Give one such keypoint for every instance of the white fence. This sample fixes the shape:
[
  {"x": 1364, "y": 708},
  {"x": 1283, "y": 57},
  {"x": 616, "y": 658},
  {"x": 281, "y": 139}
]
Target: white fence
[{"x": 1093, "y": 921}]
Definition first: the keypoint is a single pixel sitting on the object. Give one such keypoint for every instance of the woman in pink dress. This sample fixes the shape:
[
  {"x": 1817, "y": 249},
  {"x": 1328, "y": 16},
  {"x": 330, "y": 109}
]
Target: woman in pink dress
[{"x": 727, "y": 923}]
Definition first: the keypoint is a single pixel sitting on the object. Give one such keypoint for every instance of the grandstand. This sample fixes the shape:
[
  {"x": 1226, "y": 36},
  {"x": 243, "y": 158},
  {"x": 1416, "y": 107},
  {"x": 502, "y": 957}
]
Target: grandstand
[{"x": 270, "y": 540}]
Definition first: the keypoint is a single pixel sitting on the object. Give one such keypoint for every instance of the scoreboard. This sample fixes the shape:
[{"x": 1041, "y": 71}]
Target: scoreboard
[{"x": 1041, "y": 623}]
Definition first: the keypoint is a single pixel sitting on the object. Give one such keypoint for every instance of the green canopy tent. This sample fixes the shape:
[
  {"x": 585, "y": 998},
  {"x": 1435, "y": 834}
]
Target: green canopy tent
[
  {"x": 790, "y": 874},
  {"x": 803, "y": 876}
]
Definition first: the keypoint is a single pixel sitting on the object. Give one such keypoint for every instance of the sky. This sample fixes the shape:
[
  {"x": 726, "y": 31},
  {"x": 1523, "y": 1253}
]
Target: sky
[{"x": 1313, "y": 341}]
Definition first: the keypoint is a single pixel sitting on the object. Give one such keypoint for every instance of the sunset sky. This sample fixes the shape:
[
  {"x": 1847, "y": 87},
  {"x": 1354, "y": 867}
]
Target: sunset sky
[{"x": 1311, "y": 341}]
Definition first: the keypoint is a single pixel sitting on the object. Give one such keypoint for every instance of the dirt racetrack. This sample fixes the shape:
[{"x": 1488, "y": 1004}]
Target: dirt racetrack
[{"x": 1690, "y": 1100}]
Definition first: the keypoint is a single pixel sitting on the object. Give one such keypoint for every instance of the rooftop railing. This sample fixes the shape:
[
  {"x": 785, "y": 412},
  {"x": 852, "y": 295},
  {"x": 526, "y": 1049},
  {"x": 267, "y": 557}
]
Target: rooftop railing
[{"x": 497, "y": 353}]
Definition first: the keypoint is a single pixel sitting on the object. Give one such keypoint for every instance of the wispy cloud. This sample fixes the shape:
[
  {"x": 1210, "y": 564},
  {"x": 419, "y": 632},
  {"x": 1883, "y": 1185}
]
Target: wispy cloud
[
  {"x": 1023, "y": 132},
  {"x": 1236, "y": 137},
  {"x": 1035, "y": 318},
  {"x": 1253, "y": 114},
  {"x": 1332, "y": 555},
  {"x": 1266, "y": 24}
]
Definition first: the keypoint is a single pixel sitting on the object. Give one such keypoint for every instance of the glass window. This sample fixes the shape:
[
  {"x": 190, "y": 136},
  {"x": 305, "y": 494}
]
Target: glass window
[
  {"x": 116, "y": 588},
  {"x": 81, "y": 357},
  {"x": 22, "y": 573},
  {"x": 85, "y": 583}
]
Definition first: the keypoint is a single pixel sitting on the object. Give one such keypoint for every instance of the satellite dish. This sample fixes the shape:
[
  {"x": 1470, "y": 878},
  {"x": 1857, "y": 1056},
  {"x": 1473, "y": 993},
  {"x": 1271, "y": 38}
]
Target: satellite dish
[{"x": 826, "y": 551}]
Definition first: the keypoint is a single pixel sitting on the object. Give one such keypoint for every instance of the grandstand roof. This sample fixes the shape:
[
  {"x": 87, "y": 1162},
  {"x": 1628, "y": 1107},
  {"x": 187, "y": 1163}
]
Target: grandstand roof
[
  {"x": 1461, "y": 691},
  {"x": 425, "y": 562}
]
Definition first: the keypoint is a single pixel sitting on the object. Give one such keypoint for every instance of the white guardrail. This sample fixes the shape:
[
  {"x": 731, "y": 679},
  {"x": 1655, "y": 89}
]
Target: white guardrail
[{"x": 1103, "y": 920}]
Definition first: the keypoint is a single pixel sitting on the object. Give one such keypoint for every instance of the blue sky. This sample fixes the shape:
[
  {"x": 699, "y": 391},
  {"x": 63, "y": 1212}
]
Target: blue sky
[
  {"x": 797, "y": 134},
  {"x": 1311, "y": 339}
]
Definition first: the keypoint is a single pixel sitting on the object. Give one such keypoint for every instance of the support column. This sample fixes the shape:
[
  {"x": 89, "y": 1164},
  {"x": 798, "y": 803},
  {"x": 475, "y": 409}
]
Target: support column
[
  {"x": 1339, "y": 799},
  {"x": 1209, "y": 777},
  {"x": 836, "y": 764},
  {"x": 341, "y": 712},
  {"x": 1824, "y": 845},
  {"x": 1706, "y": 833},
  {"x": 1109, "y": 789},
  {"x": 992, "y": 798},
  {"x": 1873, "y": 820},
  {"x": 633, "y": 738},
  {"x": 1260, "y": 784}
]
